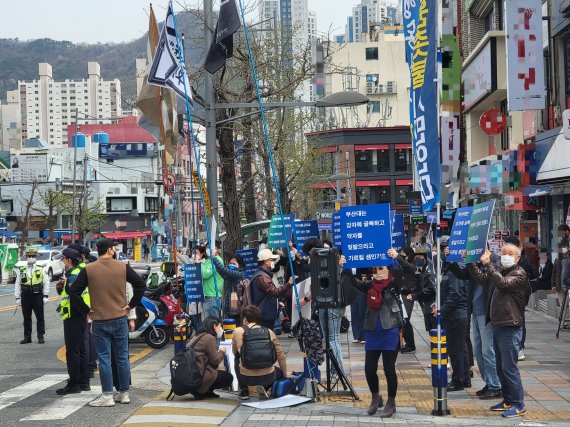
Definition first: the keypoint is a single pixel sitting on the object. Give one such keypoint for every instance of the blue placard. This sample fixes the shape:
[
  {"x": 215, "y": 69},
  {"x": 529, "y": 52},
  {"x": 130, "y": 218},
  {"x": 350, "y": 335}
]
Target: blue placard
[
  {"x": 249, "y": 257},
  {"x": 193, "y": 283},
  {"x": 479, "y": 230},
  {"x": 276, "y": 238},
  {"x": 458, "y": 238},
  {"x": 336, "y": 231},
  {"x": 305, "y": 229},
  {"x": 431, "y": 217},
  {"x": 398, "y": 233},
  {"x": 416, "y": 208},
  {"x": 366, "y": 235}
]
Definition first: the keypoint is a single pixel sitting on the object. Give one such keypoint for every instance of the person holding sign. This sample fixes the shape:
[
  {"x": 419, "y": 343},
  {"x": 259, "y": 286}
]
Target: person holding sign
[
  {"x": 211, "y": 293},
  {"x": 233, "y": 274},
  {"x": 424, "y": 292},
  {"x": 507, "y": 285}
]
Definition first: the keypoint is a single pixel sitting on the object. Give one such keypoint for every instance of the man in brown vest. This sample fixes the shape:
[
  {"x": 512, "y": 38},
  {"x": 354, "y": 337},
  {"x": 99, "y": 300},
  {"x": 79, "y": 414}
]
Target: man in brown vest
[{"x": 107, "y": 278}]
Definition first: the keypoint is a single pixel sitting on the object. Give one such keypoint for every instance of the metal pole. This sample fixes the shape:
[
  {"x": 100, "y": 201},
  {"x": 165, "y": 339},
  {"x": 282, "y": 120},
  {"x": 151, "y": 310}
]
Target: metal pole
[
  {"x": 74, "y": 175},
  {"x": 85, "y": 195},
  {"x": 348, "y": 186},
  {"x": 210, "y": 116}
]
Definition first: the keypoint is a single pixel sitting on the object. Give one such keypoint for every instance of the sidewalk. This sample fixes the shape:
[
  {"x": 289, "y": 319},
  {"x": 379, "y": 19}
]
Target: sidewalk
[{"x": 545, "y": 374}]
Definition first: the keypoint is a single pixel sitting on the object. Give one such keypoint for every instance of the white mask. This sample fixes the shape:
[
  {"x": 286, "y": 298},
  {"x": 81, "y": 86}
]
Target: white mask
[
  {"x": 31, "y": 260},
  {"x": 272, "y": 265},
  {"x": 507, "y": 261},
  {"x": 564, "y": 250},
  {"x": 220, "y": 333}
]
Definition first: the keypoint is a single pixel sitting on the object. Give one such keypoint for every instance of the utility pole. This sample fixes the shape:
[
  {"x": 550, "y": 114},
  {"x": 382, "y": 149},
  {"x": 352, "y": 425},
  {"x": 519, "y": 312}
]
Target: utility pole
[
  {"x": 85, "y": 194},
  {"x": 74, "y": 174}
]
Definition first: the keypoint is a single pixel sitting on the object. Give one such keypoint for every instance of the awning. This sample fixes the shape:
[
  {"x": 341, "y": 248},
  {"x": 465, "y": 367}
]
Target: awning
[
  {"x": 67, "y": 236},
  {"x": 537, "y": 190},
  {"x": 124, "y": 235},
  {"x": 9, "y": 234},
  {"x": 553, "y": 156}
]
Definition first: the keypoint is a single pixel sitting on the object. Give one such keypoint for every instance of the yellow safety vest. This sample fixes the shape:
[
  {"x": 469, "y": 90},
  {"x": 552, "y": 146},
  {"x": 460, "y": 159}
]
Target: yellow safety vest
[
  {"x": 37, "y": 276},
  {"x": 64, "y": 308},
  {"x": 82, "y": 264}
]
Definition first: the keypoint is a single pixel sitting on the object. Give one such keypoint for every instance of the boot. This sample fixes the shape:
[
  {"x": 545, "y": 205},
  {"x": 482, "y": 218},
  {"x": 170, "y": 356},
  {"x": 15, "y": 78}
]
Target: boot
[
  {"x": 389, "y": 409},
  {"x": 375, "y": 403}
]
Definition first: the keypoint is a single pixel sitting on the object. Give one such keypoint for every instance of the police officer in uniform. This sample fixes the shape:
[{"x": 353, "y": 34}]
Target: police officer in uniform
[
  {"x": 74, "y": 325},
  {"x": 32, "y": 291}
]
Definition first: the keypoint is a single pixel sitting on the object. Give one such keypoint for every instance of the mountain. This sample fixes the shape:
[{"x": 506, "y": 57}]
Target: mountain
[{"x": 19, "y": 59}]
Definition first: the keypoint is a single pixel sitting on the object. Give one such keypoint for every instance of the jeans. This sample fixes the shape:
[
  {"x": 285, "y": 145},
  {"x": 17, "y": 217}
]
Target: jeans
[
  {"x": 112, "y": 335},
  {"x": 210, "y": 307},
  {"x": 484, "y": 351},
  {"x": 334, "y": 318},
  {"x": 371, "y": 370},
  {"x": 507, "y": 342},
  {"x": 357, "y": 312}
]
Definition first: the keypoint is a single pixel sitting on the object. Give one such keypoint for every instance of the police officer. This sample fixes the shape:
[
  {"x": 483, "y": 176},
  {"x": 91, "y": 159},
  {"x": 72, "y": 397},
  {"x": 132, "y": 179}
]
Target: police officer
[
  {"x": 32, "y": 291},
  {"x": 74, "y": 324}
]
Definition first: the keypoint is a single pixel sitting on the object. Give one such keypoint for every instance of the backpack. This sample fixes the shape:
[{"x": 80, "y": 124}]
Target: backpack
[
  {"x": 257, "y": 350},
  {"x": 244, "y": 293},
  {"x": 185, "y": 377}
]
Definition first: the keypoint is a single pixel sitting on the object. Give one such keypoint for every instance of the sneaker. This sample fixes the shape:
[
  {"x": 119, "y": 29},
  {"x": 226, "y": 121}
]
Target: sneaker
[
  {"x": 408, "y": 350},
  {"x": 455, "y": 387},
  {"x": 491, "y": 394},
  {"x": 467, "y": 384},
  {"x": 500, "y": 406},
  {"x": 355, "y": 341},
  {"x": 482, "y": 391},
  {"x": 514, "y": 411},
  {"x": 121, "y": 397},
  {"x": 26, "y": 341},
  {"x": 521, "y": 355},
  {"x": 243, "y": 394},
  {"x": 291, "y": 335},
  {"x": 103, "y": 400},
  {"x": 41, "y": 340},
  {"x": 85, "y": 387},
  {"x": 262, "y": 393},
  {"x": 68, "y": 389}
]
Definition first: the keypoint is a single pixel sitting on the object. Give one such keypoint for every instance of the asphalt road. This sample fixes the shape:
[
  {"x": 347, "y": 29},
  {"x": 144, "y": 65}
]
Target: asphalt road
[{"x": 30, "y": 374}]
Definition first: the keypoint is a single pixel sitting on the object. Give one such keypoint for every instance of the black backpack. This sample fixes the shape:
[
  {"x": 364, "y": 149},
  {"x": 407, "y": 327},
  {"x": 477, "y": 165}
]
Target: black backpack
[
  {"x": 257, "y": 350},
  {"x": 185, "y": 377}
]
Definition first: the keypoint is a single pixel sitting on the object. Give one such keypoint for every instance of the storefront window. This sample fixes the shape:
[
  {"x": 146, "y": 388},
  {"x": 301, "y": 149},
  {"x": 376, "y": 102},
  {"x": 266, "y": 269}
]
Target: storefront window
[
  {"x": 326, "y": 198},
  {"x": 372, "y": 195},
  {"x": 403, "y": 159},
  {"x": 326, "y": 163},
  {"x": 402, "y": 194},
  {"x": 372, "y": 160}
]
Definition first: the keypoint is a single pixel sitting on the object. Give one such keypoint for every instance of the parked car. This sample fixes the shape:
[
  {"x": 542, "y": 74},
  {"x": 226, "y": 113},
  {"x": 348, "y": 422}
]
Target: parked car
[{"x": 50, "y": 260}]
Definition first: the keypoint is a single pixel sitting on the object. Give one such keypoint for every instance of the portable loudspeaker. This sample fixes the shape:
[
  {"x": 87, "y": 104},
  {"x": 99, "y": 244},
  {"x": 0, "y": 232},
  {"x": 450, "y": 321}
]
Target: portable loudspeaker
[{"x": 325, "y": 277}]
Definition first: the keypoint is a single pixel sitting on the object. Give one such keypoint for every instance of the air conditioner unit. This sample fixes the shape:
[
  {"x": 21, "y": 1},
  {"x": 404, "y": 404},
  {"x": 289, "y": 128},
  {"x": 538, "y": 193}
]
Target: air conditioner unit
[
  {"x": 368, "y": 84},
  {"x": 369, "y": 89},
  {"x": 380, "y": 89}
]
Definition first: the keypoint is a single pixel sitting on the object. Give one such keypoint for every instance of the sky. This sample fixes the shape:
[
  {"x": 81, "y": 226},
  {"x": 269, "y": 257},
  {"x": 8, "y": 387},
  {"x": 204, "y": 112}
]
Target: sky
[{"x": 92, "y": 21}]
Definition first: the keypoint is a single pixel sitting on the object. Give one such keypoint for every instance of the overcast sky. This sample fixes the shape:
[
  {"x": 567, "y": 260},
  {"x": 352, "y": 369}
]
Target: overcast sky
[{"x": 93, "y": 21}]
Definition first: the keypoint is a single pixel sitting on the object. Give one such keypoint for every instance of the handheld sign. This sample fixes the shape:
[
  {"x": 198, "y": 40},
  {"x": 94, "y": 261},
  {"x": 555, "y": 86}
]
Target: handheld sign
[
  {"x": 193, "y": 283},
  {"x": 479, "y": 230},
  {"x": 277, "y": 237},
  {"x": 249, "y": 257},
  {"x": 336, "y": 231},
  {"x": 366, "y": 235},
  {"x": 304, "y": 230},
  {"x": 398, "y": 234},
  {"x": 459, "y": 232}
]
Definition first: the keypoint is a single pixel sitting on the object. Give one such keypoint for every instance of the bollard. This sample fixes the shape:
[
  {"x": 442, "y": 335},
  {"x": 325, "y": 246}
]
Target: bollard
[
  {"x": 229, "y": 327},
  {"x": 179, "y": 333},
  {"x": 439, "y": 377}
]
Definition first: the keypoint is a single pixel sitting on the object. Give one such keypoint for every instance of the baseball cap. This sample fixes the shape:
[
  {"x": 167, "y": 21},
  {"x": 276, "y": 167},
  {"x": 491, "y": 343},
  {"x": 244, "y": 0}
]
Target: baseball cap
[
  {"x": 71, "y": 254},
  {"x": 265, "y": 254}
]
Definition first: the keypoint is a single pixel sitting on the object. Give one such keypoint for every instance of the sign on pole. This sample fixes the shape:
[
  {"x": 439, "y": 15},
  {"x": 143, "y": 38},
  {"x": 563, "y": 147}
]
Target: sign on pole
[
  {"x": 366, "y": 235},
  {"x": 459, "y": 232},
  {"x": 277, "y": 237},
  {"x": 249, "y": 257},
  {"x": 336, "y": 231},
  {"x": 479, "y": 230},
  {"x": 193, "y": 283},
  {"x": 304, "y": 230},
  {"x": 398, "y": 233}
]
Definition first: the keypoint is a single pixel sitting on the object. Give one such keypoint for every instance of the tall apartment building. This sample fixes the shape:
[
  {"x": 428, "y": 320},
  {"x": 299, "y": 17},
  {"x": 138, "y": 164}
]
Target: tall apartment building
[
  {"x": 10, "y": 120},
  {"x": 47, "y": 107},
  {"x": 366, "y": 15}
]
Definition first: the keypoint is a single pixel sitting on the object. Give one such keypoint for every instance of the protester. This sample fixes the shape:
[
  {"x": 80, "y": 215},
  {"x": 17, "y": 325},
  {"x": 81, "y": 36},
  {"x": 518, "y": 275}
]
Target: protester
[
  {"x": 31, "y": 291},
  {"x": 545, "y": 268},
  {"x": 232, "y": 275},
  {"x": 406, "y": 260},
  {"x": 532, "y": 253},
  {"x": 564, "y": 233},
  {"x": 107, "y": 279},
  {"x": 209, "y": 358},
  {"x": 382, "y": 324},
  {"x": 424, "y": 291},
  {"x": 263, "y": 290},
  {"x": 506, "y": 313},
  {"x": 212, "y": 287},
  {"x": 358, "y": 310},
  {"x": 559, "y": 271},
  {"x": 262, "y": 377}
]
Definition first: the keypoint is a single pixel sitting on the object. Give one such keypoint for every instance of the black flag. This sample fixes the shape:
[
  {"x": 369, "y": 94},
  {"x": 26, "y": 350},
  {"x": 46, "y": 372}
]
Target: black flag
[{"x": 223, "y": 41}]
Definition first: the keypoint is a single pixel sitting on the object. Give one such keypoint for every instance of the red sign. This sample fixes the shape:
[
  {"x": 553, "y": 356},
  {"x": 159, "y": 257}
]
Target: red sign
[{"x": 493, "y": 122}]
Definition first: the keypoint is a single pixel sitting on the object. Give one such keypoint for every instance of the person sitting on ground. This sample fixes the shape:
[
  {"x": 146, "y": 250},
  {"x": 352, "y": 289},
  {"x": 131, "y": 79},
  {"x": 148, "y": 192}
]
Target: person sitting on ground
[
  {"x": 253, "y": 366},
  {"x": 209, "y": 357}
]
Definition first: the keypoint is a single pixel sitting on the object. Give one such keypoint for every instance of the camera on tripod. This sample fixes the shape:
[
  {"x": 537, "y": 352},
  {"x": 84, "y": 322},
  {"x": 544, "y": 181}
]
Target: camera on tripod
[{"x": 325, "y": 277}]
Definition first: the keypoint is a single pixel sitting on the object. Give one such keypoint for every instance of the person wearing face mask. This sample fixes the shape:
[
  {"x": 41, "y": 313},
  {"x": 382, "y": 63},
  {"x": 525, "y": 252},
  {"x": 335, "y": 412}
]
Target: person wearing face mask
[
  {"x": 263, "y": 290},
  {"x": 424, "y": 291},
  {"x": 232, "y": 275},
  {"x": 209, "y": 357},
  {"x": 545, "y": 268},
  {"x": 559, "y": 271},
  {"x": 31, "y": 291},
  {"x": 506, "y": 304},
  {"x": 213, "y": 288}
]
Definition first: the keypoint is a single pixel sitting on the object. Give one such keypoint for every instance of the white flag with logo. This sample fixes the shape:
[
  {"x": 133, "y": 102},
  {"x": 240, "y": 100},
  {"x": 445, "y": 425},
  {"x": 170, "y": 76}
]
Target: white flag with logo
[{"x": 165, "y": 69}]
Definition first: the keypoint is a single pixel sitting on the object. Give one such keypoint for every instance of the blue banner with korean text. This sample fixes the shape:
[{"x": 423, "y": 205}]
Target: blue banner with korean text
[
  {"x": 303, "y": 230},
  {"x": 193, "y": 283},
  {"x": 336, "y": 231},
  {"x": 277, "y": 238},
  {"x": 249, "y": 257},
  {"x": 420, "y": 19},
  {"x": 398, "y": 233},
  {"x": 458, "y": 238},
  {"x": 366, "y": 235},
  {"x": 479, "y": 230}
]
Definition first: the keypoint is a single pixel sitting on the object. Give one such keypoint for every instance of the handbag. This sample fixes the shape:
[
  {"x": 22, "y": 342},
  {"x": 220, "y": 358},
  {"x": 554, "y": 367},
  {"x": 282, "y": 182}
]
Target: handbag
[{"x": 234, "y": 304}]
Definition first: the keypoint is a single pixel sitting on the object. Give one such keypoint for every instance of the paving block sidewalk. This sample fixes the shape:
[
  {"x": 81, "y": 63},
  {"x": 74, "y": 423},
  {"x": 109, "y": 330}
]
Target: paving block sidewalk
[{"x": 545, "y": 374}]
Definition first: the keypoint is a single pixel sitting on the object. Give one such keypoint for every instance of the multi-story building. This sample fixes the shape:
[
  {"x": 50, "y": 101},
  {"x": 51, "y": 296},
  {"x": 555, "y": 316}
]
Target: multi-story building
[
  {"x": 10, "y": 121},
  {"x": 47, "y": 107},
  {"x": 368, "y": 14}
]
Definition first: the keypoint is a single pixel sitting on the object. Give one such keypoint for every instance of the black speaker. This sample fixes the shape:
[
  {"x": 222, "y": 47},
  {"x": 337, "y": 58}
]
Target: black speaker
[{"x": 325, "y": 277}]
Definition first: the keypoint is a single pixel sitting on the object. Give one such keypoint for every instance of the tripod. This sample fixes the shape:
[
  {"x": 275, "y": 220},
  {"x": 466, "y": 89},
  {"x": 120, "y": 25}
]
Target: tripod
[
  {"x": 331, "y": 359},
  {"x": 563, "y": 311}
]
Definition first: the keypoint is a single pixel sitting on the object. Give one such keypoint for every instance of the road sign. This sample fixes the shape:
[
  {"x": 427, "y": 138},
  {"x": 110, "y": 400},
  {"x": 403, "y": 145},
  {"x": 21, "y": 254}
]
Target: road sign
[{"x": 169, "y": 180}]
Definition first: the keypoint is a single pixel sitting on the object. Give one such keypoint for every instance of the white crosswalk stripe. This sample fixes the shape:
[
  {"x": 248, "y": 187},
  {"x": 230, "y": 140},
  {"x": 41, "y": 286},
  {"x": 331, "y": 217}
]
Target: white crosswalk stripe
[
  {"x": 16, "y": 394},
  {"x": 65, "y": 406}
]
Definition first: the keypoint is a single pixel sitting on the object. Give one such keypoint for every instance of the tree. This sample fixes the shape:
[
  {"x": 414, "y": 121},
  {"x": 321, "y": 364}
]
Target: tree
[
  {"x": 51, "y": 203},
  {"x": 89, "y": 214}
]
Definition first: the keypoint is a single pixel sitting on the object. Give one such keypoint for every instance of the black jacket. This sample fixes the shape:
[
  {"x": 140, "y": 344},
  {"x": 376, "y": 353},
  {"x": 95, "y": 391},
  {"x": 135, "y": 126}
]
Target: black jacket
[{"x": 454, "y": 294}]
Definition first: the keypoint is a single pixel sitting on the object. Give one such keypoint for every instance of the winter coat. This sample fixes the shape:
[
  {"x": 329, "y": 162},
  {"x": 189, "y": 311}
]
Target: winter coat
[
  {"x": 208, "y": 358},
  {"x": 231, "y": 280},
  {"x": 454, "y": 294}
]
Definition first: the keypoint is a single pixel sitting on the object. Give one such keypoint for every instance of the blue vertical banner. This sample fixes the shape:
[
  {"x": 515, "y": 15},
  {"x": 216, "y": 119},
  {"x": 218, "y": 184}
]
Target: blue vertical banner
[
  {"x": 277, "y": 237},
  {"x": 398, "y": 233},
  {"x": 479, "y": 230},
  {"x": 303, "y": 230},
  {"x": 249, "y": 257},
  {"x": 420, "y": 19},
  {"x": 336, "y": 231},
  {"x": 193, "y": 283},
  {"x": 459, "y": 232},
  {"x": 366, "y": 235}
]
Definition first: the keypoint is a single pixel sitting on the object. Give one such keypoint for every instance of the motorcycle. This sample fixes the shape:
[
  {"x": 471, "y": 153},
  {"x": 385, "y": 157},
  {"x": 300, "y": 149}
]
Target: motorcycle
[{"x": 150, "y": 326}]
